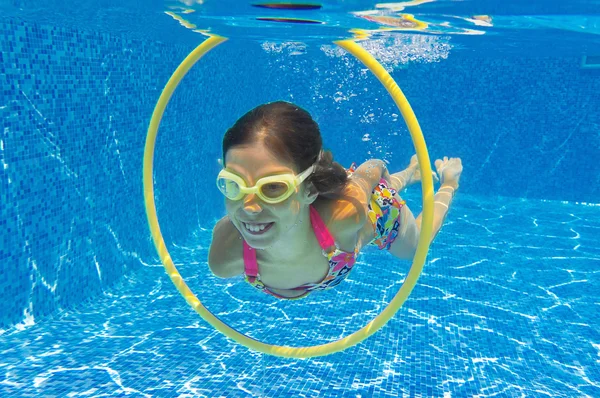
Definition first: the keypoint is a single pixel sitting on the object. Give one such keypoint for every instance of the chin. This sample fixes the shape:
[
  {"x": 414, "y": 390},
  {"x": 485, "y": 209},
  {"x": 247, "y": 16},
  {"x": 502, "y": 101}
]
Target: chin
[{"x": 257, "y": 243}]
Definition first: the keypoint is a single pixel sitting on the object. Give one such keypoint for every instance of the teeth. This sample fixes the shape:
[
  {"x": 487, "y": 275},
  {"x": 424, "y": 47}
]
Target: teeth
[{"x": 255, "y": 227}]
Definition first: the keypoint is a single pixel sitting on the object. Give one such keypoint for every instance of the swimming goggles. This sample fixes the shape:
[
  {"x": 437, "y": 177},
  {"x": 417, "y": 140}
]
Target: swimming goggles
[{"x": 271, "y": 189}]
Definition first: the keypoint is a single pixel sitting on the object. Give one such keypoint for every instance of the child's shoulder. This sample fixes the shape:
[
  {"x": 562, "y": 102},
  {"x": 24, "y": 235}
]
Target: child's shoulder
[
  {"x": 345, "y": 215},
  {"x": 225, "y": 256}
]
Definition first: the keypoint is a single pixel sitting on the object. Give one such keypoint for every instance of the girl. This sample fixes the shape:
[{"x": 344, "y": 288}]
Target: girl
[{"x": 296, "y": 220}]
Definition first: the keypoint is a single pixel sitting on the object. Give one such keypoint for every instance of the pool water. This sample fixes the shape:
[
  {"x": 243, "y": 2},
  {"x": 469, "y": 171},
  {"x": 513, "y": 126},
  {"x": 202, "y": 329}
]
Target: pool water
[
  {"x": 507, "y": 306},
  {"x": 508, "y": 303}
]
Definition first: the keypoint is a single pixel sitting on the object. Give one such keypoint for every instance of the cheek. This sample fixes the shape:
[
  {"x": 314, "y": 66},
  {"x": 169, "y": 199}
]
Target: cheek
[
  {"x": 289, "y": 210},
  {"x": 232, "y": 207}
]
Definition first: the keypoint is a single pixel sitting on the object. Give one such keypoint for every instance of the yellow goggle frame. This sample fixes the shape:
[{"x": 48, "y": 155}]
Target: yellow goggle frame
[{"x": 290, "y": 181}]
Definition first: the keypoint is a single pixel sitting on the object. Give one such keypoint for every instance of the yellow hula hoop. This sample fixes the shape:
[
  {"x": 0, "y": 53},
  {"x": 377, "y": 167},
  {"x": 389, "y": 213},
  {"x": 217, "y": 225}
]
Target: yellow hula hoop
[{"x": 424, "y": 238}]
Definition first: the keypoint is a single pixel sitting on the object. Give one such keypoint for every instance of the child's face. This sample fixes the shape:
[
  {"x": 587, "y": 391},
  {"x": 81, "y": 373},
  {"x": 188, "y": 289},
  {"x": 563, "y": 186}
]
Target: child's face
[{"x": 262, "y": 224}]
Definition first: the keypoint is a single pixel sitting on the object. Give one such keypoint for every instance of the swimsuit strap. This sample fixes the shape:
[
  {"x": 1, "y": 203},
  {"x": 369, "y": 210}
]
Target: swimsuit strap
[
  {"x": 321, "y": 232},
  {"x": 250, "y": 264}
]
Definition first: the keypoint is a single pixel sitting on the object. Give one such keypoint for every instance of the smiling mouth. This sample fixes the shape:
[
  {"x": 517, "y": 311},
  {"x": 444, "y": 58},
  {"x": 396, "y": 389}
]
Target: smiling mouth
[{"x": 257, "y": 228}]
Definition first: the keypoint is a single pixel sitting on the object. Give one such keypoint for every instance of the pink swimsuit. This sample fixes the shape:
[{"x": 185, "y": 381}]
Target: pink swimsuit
[
  {"x": 384, "y": 214},
  {"x": 340, "y": 263}
]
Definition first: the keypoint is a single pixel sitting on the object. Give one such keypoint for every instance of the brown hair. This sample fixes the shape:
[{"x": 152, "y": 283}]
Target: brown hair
[{"x": 292, "y": 135}]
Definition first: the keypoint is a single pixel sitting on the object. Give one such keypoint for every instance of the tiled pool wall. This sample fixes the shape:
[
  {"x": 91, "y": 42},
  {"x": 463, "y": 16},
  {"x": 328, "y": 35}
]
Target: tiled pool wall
[{"x": 75, "y": 107}]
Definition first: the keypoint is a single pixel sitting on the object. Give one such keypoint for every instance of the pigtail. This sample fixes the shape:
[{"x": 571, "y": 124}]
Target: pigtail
[{"x": 329, "y": 177}]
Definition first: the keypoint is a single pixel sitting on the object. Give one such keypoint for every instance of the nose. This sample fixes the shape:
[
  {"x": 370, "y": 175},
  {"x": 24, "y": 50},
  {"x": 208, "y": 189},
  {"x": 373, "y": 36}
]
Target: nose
[{"x": 252, "y": 204}]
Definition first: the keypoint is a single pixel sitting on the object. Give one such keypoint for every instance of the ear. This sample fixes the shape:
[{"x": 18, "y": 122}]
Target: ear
[{"x": 309, "y": 194}]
